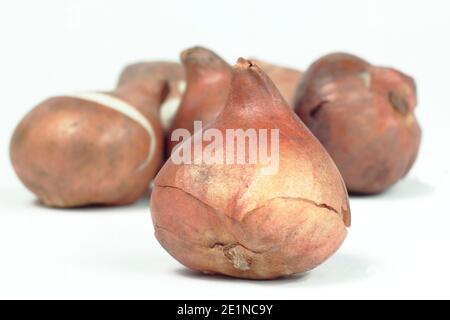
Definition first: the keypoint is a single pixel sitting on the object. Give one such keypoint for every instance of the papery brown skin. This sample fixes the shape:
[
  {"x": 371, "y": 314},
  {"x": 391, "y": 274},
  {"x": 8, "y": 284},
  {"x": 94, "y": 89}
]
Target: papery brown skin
[
  {"x": 233, "y": 220},
  {"x": 208, "y": 83},
  {"x": 71, "y": 152},
  {"x": 364, "y": 117},
  {"x": 145, "y": 73},
  {"x": 286, "y": 79}
]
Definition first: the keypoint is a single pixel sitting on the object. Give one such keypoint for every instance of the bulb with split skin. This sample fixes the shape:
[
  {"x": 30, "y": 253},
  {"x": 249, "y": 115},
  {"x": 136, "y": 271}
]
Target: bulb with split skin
[
  {"x": 364, "y": 116},
  {"x": 260, "y": 219},
  {"x": 91, "y": 148}
]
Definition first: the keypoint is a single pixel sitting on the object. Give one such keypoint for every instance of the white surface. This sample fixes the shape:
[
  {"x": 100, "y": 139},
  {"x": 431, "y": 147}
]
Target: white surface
[{"x": 398, "y": 245}]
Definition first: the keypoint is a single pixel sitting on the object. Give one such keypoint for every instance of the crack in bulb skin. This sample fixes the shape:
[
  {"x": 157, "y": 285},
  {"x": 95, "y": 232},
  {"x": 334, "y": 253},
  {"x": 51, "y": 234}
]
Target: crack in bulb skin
[
  {"x": 232, "y": 219},
  {"x": 367, "y": 124}
]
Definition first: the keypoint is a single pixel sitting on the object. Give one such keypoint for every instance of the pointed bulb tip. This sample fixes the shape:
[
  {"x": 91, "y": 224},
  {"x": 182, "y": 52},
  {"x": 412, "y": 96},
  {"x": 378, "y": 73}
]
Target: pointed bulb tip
[{"x": 243, "y": 63}]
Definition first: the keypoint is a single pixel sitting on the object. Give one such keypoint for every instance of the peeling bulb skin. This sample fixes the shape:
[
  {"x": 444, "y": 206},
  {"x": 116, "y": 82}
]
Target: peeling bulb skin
[
  {"x": 234, "y": 220},
  {"x": 208, "y": 83},
  {"x": 364, "y": 117},
  {"x": 91, "y": 148},
  {"x": 286, "y": 79},
  {"x": 145, "y": 73}
]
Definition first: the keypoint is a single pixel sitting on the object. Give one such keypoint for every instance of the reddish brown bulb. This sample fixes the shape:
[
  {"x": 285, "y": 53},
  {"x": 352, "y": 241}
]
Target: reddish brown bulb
[
  {"x": 91, "y": 148},
  {"x": 364, "y": 116},
  {"x": 237, "y": 218}
]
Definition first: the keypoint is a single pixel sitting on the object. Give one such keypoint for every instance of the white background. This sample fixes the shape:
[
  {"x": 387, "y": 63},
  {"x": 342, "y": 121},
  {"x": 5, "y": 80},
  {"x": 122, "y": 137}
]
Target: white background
[{"x": 398, "y": 246}]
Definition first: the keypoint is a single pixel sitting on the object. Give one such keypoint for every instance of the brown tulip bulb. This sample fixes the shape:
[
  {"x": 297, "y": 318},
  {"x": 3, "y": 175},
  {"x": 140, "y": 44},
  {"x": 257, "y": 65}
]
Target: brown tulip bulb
[
  {"x": 146, "y": 73},
  {"x": 91, "y": 148},
  {"x": 364, "y": 117},
  {"x": 286, "y": 79},
  {"x": 233, "y": 211},
  {"x": 208, "y": 83}
]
